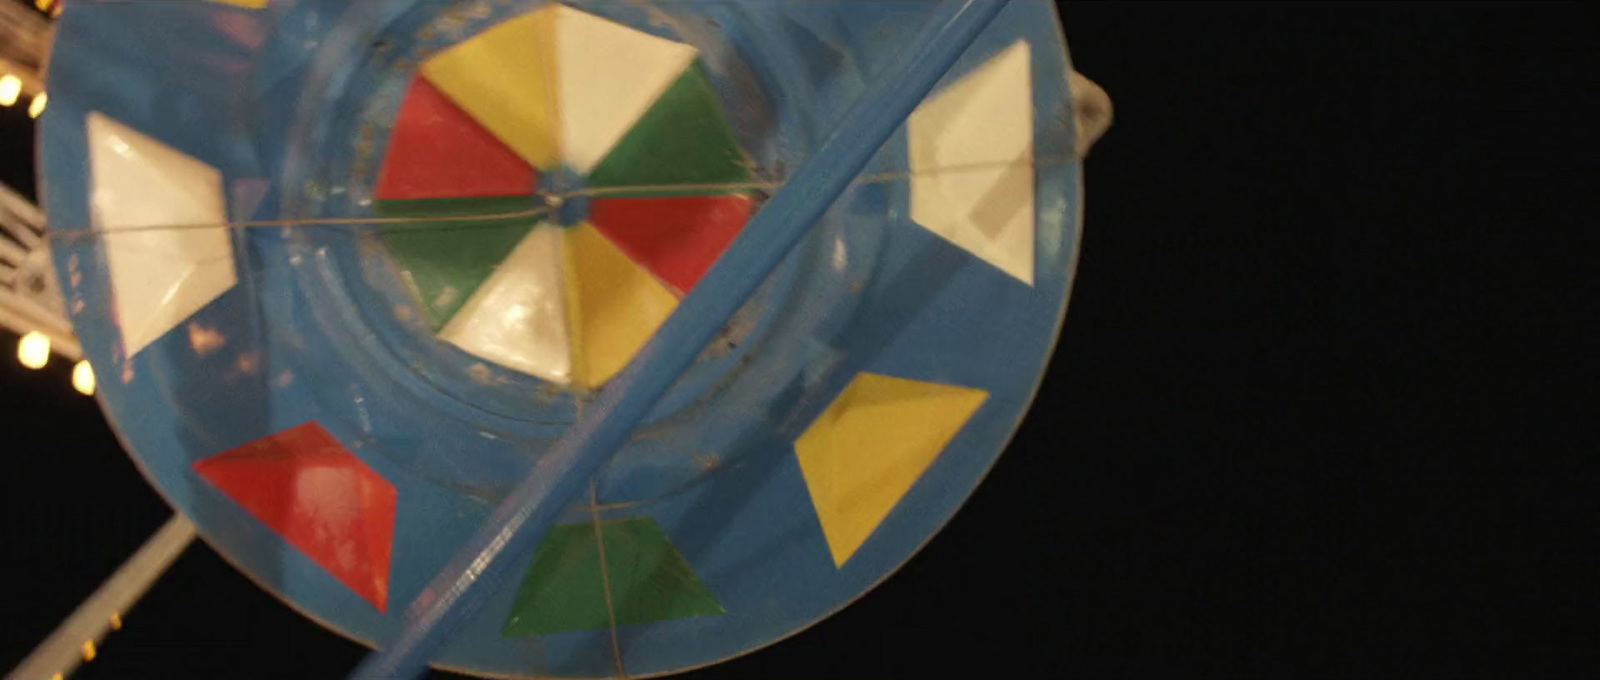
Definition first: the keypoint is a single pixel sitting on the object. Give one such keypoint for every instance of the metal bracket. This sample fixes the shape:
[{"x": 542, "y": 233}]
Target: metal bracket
[
  {"x": 1093, "y": 110},
  {"x": 30, "y": 298}
]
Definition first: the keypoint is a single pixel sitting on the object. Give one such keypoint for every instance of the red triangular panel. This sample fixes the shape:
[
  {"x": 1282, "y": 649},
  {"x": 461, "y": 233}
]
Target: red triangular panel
[
  {"x": 676, "y": 237},
  {"x": 438, "y": 151},
  {"x": 304, "y": 485}
]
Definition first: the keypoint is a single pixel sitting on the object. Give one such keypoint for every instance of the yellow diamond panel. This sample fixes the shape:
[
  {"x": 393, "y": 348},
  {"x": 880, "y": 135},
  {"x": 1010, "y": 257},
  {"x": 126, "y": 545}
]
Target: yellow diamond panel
[
  {"x": 504, "y": 78},
  {"x": 862, "y": 455},
  {"x": 613, "y": 306}
]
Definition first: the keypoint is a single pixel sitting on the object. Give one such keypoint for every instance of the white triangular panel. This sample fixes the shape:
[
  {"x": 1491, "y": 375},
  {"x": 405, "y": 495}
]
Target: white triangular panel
[
  {"x": 972, "y": 163},
  {"x": 164, "y": 217},
  {"x": 518, "y": 318},
  {"x": 609, "y": 76}
]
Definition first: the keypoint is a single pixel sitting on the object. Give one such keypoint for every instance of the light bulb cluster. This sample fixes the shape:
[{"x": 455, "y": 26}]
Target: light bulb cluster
[
  {"x": 11, "y": 93},
  {"x": 11, "y": 84},
  {"x": 33, "y": 351}
]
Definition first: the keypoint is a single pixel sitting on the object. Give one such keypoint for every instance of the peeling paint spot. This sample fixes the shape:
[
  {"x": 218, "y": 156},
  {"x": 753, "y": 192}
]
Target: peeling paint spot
[
  {"x": 248, "y": 363},
  {"x": 205, "y": 340}
]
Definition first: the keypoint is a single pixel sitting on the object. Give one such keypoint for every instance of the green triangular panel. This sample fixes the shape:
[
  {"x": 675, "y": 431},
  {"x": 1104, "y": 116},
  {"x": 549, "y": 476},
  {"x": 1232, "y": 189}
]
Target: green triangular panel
[
  {"x": 682, "y": 140},
  {"x": 650, "y": 581},
  {"x": 445, "y": 261}
]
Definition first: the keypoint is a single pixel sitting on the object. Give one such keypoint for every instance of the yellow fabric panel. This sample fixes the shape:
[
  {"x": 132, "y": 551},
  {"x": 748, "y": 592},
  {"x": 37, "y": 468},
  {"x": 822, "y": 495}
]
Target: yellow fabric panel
[
  {"x": 862, "y": 455},
  {"x": 247, "y": 4},
  {"x": 613, "y": 306},
  {"x": 505, "y": 79}
]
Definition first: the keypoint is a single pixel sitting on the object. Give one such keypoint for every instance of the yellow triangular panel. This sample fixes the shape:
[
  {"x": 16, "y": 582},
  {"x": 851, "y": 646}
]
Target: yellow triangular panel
[
  {"x": 862, "y": 455},
  {"x": 613, "y": 306},
  {"x": 504, "y": 78}
]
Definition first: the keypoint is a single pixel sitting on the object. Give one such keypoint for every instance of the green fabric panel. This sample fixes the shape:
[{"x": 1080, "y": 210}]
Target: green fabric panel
[
  {"x": 650, "y": 581},
  {"x": 445, "y": 262}
]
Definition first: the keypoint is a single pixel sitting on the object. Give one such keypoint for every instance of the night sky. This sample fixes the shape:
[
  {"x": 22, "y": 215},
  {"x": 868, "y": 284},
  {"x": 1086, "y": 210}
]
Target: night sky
[
  {"x": 16, "y": 141},
  {"x": 16, "y": 148},
  {"x": 1325, "y": 402}
]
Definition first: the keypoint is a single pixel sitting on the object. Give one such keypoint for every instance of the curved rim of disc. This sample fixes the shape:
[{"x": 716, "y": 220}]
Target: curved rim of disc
[{"x": 910, "y": 536}]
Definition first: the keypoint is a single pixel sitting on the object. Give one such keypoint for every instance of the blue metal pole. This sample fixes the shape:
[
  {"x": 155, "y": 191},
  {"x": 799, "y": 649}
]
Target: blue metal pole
[{"x": 521, "y": 521}]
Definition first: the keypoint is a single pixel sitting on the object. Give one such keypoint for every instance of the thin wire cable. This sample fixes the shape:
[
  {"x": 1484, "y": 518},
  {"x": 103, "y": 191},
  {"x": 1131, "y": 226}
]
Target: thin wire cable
[
  {"x": 90, "y": 232},
  {"x": 605, "y": 579},
  {"x": 539, "y": 213}
]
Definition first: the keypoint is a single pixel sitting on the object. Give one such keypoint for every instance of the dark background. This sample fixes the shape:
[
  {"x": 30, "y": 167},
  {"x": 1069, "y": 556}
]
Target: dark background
[{"x": 1325, "y": 403}]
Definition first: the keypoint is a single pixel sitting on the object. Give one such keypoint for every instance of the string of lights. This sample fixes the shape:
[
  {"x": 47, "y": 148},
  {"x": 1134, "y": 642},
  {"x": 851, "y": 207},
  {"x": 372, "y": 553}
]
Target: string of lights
[{"x": 26, "y": 32}]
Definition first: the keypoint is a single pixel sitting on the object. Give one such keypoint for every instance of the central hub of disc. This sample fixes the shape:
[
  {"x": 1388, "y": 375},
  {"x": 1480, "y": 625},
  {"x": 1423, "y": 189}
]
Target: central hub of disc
[
  {"x": 531, "y": 240},
  {"x": 561, "y": 192}
]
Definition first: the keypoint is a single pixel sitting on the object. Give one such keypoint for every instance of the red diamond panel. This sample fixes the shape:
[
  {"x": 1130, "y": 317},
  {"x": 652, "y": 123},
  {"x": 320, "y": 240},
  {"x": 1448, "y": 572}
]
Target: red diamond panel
[{"x": 306, "y": 486}]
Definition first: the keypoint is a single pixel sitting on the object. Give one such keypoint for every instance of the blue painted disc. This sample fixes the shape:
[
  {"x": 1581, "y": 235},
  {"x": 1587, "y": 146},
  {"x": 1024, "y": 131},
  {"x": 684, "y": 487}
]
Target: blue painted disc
[{"x": 313, "y": 329}]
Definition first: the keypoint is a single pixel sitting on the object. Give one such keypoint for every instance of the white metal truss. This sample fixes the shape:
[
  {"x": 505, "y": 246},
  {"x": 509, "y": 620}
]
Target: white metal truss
[{"x": 30, "y": 299}]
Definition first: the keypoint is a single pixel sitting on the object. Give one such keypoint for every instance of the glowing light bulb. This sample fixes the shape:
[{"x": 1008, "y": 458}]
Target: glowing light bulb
[
  {"x": 34, "y": 350},
  {"x": 83, "y": 381},
  {"x": 10, "y": 89},
  {"x": 36, "y": 109}
]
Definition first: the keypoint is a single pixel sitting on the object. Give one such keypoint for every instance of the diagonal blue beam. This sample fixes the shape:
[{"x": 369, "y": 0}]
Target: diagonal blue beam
[{"x": 521, "y": 521}]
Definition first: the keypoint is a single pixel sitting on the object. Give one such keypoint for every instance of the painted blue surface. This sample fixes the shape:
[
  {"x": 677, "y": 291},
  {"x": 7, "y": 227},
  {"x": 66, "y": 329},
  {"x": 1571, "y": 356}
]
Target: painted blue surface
[
  {"x": 868, "y": 291},
  {"x": 525, "y": 517}
]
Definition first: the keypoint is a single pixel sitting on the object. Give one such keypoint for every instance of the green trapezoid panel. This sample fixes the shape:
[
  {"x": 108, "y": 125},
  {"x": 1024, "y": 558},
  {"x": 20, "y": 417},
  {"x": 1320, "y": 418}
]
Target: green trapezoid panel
[{"x": 650, "y": 581}]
